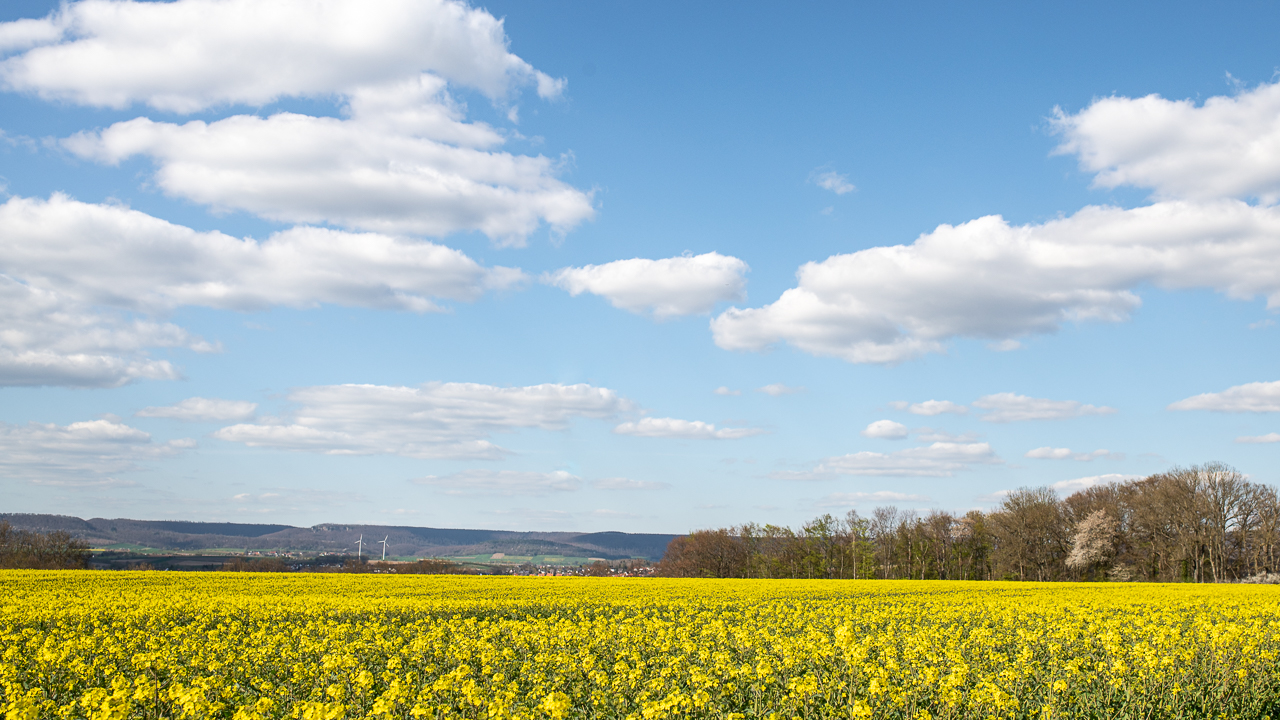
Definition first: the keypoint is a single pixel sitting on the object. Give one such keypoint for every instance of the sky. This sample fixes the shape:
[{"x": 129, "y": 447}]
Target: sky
[{"x": 646, "y": 267}]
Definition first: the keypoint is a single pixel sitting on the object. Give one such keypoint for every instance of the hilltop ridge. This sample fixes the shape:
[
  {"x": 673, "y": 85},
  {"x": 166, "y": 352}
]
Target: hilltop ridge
[{"x": 402, "y": 541}]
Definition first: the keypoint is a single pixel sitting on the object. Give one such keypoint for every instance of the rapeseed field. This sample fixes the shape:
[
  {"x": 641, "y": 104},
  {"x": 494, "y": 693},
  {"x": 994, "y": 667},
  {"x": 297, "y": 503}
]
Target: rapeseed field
[{"x": 117, "y": 645}]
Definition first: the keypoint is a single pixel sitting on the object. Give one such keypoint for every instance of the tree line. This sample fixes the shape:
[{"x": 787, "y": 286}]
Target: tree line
[
  {"x": 55, "y": 550},
  {"x": 1203, "y": 523}
]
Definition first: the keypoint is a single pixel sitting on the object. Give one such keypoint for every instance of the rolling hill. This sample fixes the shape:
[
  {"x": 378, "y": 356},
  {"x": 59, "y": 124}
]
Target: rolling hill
[{"x": 403, "y": 541}]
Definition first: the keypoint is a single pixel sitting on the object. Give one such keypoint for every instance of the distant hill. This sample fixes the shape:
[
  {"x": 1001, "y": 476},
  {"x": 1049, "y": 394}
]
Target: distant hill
[{"x": 402, "y": 540}]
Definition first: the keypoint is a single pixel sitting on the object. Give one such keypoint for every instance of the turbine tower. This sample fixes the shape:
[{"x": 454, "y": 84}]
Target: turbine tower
[
  {"x": 360, "y": 546},
  {"x": 384, "y": 547}
]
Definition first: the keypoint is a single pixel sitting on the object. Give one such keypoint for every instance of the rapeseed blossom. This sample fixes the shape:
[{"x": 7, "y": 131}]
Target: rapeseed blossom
[{"x": 116, "y": 646}]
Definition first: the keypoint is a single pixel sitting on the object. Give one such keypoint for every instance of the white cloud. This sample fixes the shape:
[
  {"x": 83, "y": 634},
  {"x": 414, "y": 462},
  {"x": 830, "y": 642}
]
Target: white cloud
[
  {"x": 1010, "y": 407},
  {"x": 77, "y": 281},
  {"x": 1262, "y": 324},
  {"x": 1066, "y": 487},
  {"x": 1225, "y": 147},
  {"x": 937, "y": 460},
  {"x": 82, "y": 454},
  {"x": 114, "y": 256},
  {"x": 434, "y": 420},
  {"x": 778, "y": 389},
  {"x": 621, "y": 483},
  {"x": 832, "y": 180},
  {"x": 198, "y": 409},
  {"x": 1250, "y": 397},
  {"x": 843, "y": 500},
  {"x": 404, "y": 161},
  {"x": 930, "y": 407},
  {"x": 724, "y": 390},
  {"x": 1268, "y": 438},
  {"x": 927, "y": 434},
  {"x": 47, "y": 338},
  {"x": 989, "y": 280},
  {"x": 1052, "y": 453},
  {"x": 189, "y": 55},
  {"x": 885, "y": 429},
  {"x": 682, "y": 430},
  {"x": 685, "y": 285},
  {"x": 502, "y": 482},
  {"x": 27, "y": 33},
  {"x": 1048, "y": 453}
]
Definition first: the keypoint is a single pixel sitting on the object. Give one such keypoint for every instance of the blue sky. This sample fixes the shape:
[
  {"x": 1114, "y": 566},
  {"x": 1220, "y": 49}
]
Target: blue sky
[{"x": 628, "y": 266}]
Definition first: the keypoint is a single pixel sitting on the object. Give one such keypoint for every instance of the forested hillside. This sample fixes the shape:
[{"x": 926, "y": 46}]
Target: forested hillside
[{"x": 402, "y": 541}]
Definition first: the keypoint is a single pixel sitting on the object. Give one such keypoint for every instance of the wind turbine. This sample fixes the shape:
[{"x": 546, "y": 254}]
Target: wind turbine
[
  {"x": 384, "y": 547},
  {"x": 360, "y": 546}
]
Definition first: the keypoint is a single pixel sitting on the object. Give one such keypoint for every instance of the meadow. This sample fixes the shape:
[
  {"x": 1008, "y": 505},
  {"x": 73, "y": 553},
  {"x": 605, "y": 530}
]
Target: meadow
[{"x": 117, "y": 645}]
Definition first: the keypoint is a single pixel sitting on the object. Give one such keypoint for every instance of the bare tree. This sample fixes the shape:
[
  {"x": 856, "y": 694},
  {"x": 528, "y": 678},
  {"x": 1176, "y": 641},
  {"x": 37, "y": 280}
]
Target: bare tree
[
  {"x": 1226, "y": 506},
  {"x": 705, "y": 553},
  {"x": 55, "y": 550},
  {"x": 1030, "y": 537},
  {"x": 884, "y": 525},
  {"x": 1201, "y": 524}
]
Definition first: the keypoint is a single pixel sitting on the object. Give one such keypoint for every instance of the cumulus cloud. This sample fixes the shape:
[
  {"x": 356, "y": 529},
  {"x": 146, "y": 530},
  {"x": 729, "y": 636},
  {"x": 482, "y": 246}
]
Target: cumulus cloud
[
  {"x": 724, "y": 390},
  {"x": 115, "y": 256},
  {"x": 778, "y": 389},
  {"x": 79, "y": 282},
  {"x": 1268, "y": 438},
  {"x": 1010, "y": 407},
  {"x": 940, "y": 459},
  {"x": 1228, "y": 146},
  {"x": 48, "y": 338},
  {"x": 82, "y": 454},
  {"x": 502, "y": 482},
  {"x": 198, "y": 409},
  {"x": 853, "y": 499},
  {"x": 1250, "y": 397},
  {"x": 886, "y": 430},
  {"x": 988, "y": 280},
  {"x": 930, "y": 407},
  {"x": 189, "y": 55},
  {"x": 621, "y": 483},
  {"x": 685, "y": 285},
  {"x": 1066, "y": 487},
  {"x": 434, "y": 420},
  {"x": 1052, "y": 453},
  {"x": 403, "y": 161},
  {"x": 832, "y": 180},
  {"x": 682, "y": 430}
]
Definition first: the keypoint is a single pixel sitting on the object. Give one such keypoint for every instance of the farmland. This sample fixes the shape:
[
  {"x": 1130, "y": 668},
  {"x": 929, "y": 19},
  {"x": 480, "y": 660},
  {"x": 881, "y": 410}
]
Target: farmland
[{"x": 148, "y": 645}]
